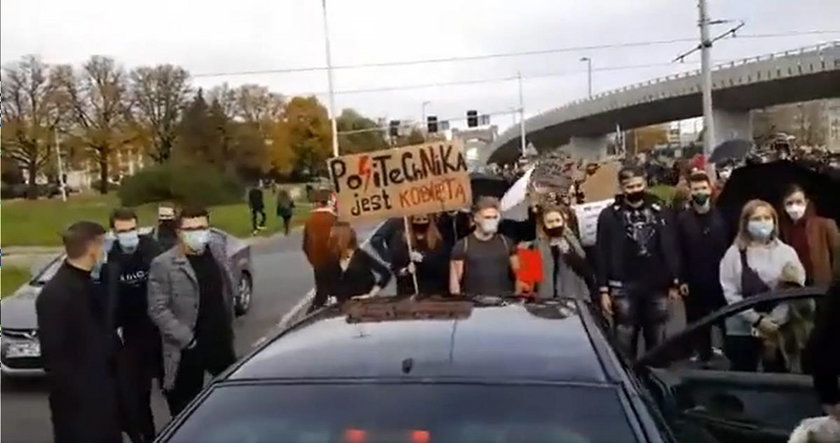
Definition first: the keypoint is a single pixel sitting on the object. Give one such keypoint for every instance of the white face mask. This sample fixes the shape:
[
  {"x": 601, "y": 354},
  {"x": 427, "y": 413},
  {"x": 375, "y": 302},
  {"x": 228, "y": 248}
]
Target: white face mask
[
  {"x": 795, "y": 211},
  {"x": 489, "y": 226}
]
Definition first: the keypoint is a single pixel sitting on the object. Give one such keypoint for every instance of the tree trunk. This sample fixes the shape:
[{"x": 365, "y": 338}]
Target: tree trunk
[
  {"x": 103, "y": 173},
  {"x": 32, "y": 175}
]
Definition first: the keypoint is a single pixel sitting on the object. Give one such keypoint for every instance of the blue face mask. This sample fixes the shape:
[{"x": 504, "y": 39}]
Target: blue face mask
[
  {"x": 128, "y": 240},
  {"x": 760, "y": 229},
  {"x": 196, "y": 240}
]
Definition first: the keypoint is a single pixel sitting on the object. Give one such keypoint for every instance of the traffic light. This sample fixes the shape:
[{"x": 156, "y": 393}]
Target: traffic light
[
  {"x": 394, "y": 128},
  {"x": 432, "y": 124},
  {"x": 472, "y": 118}
]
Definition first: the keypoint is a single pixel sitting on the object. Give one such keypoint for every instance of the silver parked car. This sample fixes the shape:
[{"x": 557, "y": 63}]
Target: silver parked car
[{"x": 20, "y": 352}]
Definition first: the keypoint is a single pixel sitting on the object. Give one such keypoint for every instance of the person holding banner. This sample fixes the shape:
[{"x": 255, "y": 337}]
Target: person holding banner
[
  {"x": 420, "y": 251},
  {"x": 564, "y": 269},
  {"x": 484, "y": 262},
  {"x": 351, "y": 272}
]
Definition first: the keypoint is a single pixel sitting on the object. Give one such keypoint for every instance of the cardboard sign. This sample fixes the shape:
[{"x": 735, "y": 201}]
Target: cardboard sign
[
  {"x": 399, "y": 182},
  {"x": 587, "y": 215}
]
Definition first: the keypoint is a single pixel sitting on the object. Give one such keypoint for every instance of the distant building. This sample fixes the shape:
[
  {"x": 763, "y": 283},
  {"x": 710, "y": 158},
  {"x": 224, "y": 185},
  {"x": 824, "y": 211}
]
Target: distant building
[{"x": 813, "y": 123}]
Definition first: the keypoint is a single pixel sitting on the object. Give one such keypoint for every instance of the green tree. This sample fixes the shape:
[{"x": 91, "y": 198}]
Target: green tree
[
  {"x": 200, "y": 136},
  {"x": 309, "y": 134},
  {"x": 364, "y": 134}
]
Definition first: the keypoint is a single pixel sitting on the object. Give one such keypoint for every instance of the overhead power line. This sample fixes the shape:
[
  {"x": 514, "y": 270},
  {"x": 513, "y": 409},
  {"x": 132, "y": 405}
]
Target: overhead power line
[
  {"x": 489, "y": 80},
  {"x": 500, "y": 55}
]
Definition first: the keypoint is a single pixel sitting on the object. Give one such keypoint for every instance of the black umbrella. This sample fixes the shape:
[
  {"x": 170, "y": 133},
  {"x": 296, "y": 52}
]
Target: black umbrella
[
  {"x": 735, "y": 149},
  {"x": 769, "y": 181},
  {"x": 488, "y": 185}
]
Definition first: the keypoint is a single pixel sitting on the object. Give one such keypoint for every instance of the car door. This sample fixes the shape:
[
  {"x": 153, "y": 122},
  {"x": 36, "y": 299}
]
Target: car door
[{"x": 742, "y": 407}]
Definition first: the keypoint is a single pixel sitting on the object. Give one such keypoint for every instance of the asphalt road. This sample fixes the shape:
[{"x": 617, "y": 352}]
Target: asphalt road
[{"x": 282, "y": 278}]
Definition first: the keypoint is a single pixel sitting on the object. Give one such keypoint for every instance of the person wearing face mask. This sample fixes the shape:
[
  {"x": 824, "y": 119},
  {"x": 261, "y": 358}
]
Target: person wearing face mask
[
  {"x": 165, "y": 233},
  {"x": 565, "y": 271},
  {"x": 815, "y": 239},
  {"x": 703, "y": 237},
  {"x": 484, "y": 262},
  {"x": 191, "y": 302},
  {"x": 124, "y": 279},
  {"x": 637, "y": 262},
  {"x": 751, "y": 266},
  {"x": 77, "y": 344},
  {"x": 427, "y": 258}
]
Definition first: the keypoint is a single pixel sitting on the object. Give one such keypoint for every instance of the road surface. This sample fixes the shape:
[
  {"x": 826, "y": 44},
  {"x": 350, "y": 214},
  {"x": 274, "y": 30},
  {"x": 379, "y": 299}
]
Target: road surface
[{"x": 282, "y": 278}]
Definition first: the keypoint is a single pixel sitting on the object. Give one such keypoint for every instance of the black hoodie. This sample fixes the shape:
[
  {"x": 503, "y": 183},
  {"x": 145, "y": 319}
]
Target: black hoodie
[{"x": 637, "y": 246}]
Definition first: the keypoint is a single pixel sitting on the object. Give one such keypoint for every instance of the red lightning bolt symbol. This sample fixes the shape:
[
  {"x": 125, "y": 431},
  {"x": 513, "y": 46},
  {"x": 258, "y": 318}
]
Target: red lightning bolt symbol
[{"x": 364, "y": 169}]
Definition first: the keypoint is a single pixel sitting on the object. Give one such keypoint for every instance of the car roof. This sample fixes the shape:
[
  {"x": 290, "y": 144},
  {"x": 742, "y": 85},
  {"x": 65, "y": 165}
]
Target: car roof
[{"x": 535, "y": 341}]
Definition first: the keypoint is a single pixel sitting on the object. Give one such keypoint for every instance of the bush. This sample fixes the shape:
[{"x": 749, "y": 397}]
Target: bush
[{"x": 198, "y": 185}]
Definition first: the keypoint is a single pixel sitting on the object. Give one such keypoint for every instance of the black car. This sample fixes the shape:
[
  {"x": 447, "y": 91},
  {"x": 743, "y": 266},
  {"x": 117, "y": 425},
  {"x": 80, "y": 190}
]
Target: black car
[{"x": 482, "y": 370}]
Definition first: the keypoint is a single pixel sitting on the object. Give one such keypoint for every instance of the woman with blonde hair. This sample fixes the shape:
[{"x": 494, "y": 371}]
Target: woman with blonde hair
[
  {"x": 565, "y": 272},
  {"x": 352, "y": 272},
  {"x": 751, "y": 266}
]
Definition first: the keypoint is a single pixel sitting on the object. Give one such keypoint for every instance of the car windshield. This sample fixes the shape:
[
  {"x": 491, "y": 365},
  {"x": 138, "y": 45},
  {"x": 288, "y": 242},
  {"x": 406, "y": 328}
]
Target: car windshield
[{"x": 394, "y": 413}]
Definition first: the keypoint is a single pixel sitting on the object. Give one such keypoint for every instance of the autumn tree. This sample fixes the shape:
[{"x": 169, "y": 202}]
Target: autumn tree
[
  {"x": 361, "y": 134},
  {"x": 159, "y": 94},
  {"x": 99, "y": 100},
  {"x": 31, "y": 114},
  {"x": 309, "y": 136}
]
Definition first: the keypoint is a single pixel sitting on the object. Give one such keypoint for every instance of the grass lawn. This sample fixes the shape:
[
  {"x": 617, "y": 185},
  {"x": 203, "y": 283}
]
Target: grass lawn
[
  {"x": 11, "y": 278},
  {"x": 38, "y": 223}
]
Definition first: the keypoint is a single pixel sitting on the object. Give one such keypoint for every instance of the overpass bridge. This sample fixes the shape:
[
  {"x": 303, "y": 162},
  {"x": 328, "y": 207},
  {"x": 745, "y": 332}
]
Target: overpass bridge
[{"x": 737, "y": 87}]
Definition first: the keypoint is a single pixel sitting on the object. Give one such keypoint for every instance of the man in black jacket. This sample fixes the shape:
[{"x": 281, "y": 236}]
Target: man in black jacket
[
  {"x": 125, "y": 278},
  {"x": 165, "y": 233},
  {"x": 637, "y": 262},
  {"x": 257, "y": 206},
  {"x": 703, "y": 239},
  {"x": 77, "y": 344}
]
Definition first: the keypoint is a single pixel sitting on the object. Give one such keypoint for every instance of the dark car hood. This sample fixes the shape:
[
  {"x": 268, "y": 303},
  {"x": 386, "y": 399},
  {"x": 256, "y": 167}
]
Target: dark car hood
[{"x": 18, "y": 311}]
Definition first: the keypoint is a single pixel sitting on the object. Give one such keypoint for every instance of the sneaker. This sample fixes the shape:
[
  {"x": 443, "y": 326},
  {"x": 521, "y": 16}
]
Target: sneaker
[{"x": 261, "y": 228}]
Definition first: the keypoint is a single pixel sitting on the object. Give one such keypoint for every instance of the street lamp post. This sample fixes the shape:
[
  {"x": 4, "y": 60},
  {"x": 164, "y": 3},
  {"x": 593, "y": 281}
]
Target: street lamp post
[
  {"x": 588, "y": 74},
  {"x": 333, "y": 117},
  {"x": 706, "y": 85},
  {"x": 423, "y": 111},
  {"x": 522, "y": 142}
]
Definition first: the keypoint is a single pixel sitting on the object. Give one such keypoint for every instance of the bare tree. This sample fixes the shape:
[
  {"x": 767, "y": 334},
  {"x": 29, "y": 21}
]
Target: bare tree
[
  {"x": 31, "y": 114},
  {"x": 255, "y": 103},
  {"x": 100, "y": 109},
  {"x": 159, "y": 95},
  {"x": 226, "y": 98}
]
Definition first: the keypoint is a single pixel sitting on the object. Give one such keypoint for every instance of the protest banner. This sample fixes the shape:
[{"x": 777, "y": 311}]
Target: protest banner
[
  {"x": 400, "y": 182},
  {"x": 587, "y": 216}
]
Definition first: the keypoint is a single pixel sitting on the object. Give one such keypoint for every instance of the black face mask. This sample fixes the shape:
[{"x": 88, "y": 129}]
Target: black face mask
[
  {"x": 167, "y": 226},
  {"x": 420, "y": 227},
  {"x": 635, "y": 197},
  {"x": 554, "y": 232}
]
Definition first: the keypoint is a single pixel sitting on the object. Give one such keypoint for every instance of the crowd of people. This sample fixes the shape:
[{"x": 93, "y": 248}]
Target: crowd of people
[
  {"x": 648, "y": 254},
  {"x": 125, "y": 309}
]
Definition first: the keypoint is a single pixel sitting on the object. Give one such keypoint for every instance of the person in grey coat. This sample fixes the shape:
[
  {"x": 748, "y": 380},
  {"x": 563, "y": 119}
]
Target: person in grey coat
[
  {"x": 191, "y": 302},
  {"x": 564, "y": 268}
]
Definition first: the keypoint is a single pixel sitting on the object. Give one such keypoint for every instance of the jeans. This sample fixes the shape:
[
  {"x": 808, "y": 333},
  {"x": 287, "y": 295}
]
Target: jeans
[
  {"x": 638, "y": 312},
  {"x": 190, "y": 378},
  {"x": 254, "y": 213}
]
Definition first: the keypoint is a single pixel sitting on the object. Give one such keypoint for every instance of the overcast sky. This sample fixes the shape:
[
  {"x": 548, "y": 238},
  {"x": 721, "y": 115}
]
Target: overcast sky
[{"x": 212, "y": 36}]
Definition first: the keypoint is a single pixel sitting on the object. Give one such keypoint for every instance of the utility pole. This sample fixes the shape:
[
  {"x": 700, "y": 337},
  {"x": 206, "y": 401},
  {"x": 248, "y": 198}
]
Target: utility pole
[
  {"x": 423, "y": 111},
  {"x": 333, "y": 116},
  {"x": 61, "y": 186},
  {"x": 588, "y": 75},
  {"x": 706, "y": 76},
  {"x": 523, "y": 146}
]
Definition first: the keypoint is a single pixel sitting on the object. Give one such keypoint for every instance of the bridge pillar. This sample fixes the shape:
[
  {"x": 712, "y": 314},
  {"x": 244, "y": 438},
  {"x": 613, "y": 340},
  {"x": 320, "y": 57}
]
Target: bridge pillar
[
  {"x": 587, "y": 147},
  {"x": 730, "y": 125}
]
